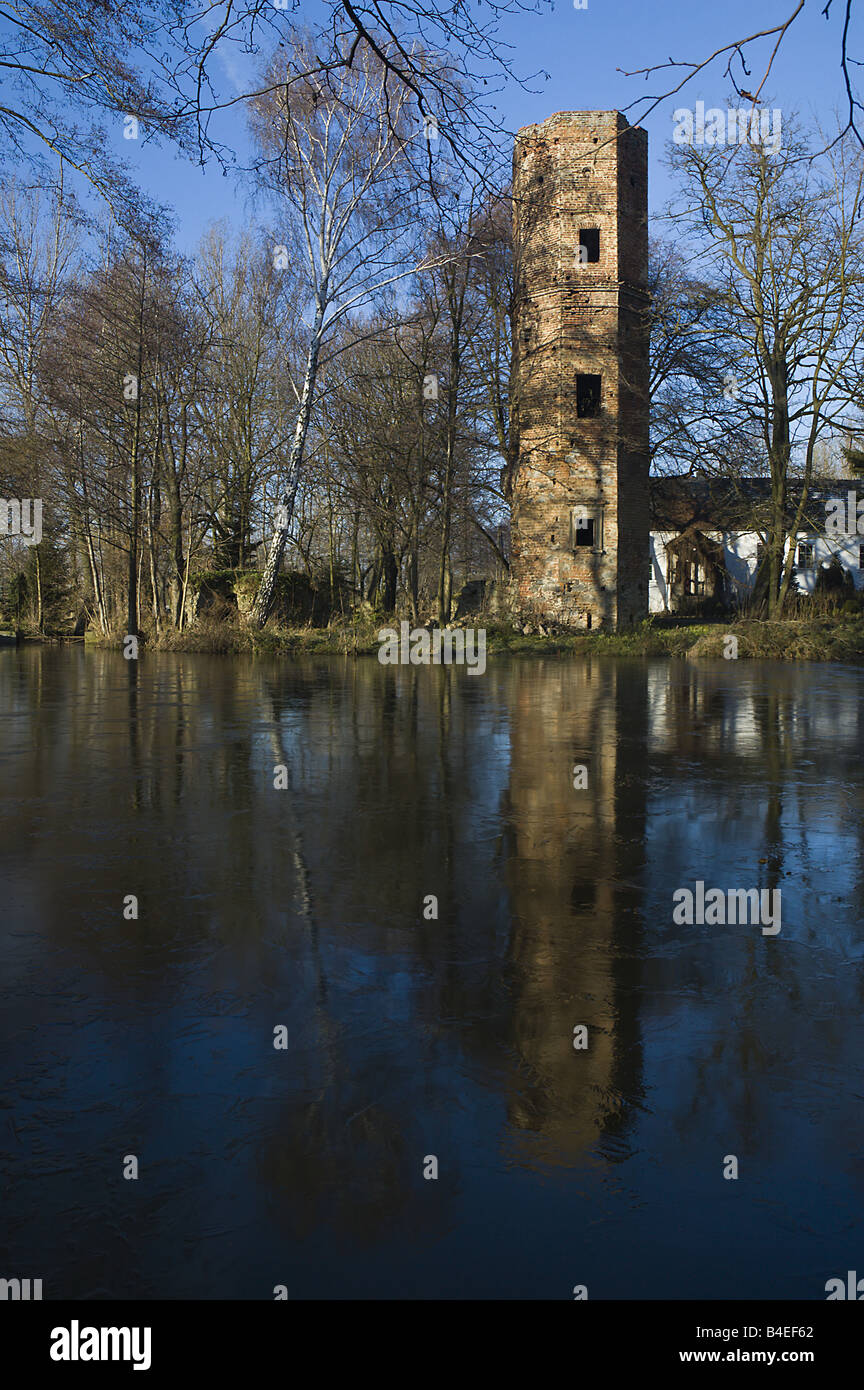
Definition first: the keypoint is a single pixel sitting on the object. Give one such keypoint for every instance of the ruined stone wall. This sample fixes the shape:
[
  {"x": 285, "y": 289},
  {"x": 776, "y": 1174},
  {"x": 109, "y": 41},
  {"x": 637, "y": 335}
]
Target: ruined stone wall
[{"x": 581, "y": 172}]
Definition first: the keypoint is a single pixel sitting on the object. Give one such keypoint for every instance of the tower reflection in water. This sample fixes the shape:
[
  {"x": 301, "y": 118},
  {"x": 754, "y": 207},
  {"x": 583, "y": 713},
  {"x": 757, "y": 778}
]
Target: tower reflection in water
[{"x": 574, "y": 866}]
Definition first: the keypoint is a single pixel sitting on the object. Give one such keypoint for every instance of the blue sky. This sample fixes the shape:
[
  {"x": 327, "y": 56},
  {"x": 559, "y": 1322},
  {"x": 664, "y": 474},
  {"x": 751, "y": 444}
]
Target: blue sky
[{"x": 581, "y": 50}]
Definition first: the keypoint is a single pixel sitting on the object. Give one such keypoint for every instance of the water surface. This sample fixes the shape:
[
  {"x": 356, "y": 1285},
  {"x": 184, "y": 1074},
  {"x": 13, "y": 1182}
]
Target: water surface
[{"x": 408, "y": 1037}]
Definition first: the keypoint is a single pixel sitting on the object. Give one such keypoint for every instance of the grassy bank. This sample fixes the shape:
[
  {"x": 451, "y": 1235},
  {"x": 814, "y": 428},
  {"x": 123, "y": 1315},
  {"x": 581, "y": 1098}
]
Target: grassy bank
[{"x": 838, "y": 638}]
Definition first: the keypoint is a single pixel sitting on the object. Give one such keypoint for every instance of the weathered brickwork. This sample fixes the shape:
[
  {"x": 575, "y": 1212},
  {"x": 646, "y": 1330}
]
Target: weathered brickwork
[{"x": 580, "y": 492}]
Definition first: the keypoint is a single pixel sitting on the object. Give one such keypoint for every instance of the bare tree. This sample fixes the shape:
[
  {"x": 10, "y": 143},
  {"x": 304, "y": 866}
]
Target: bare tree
[
  {"x": 747, "y": 62},
  {"x": 38, "y": 246},
  {"x": 347, "y": 202},
  {"x": 252, "y": 320},
  {"x": 778, "y": 236},
  {"x": 695, "y": 424}
]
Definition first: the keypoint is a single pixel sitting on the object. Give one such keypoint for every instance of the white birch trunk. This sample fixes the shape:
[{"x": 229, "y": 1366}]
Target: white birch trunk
[{"x": 285, "y": 512}]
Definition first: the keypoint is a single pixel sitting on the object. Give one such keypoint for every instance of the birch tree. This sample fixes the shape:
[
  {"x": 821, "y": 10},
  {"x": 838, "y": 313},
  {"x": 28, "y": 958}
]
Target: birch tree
[
  {"x": 247, "y": 306},
  {"x": 39, "y": 247},
  {"x": 336, "y": 160}
]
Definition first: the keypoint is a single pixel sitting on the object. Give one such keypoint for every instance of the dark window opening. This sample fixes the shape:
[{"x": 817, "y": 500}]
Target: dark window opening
[
  {"x": 583, "y": 530},
  {"x": 806, "y": 555},
  {"x": 588, "y": 622},
  {"x": 861, "y": 557},
  {"x": 589, "y": 245},
  {"x": 583, "y": 894},
  {"x": 587, "y": 396}
]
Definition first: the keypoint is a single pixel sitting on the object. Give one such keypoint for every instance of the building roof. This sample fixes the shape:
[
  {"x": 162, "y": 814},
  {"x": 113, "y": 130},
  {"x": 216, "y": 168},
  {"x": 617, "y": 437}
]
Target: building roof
[{"x": 735, "y": 504}]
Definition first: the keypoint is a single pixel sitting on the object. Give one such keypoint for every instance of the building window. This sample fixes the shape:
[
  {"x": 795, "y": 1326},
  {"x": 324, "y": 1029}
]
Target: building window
[
  {"x": 861, "y": 557},
  {"x": 586, "y": 528},
  {"x": 587, "y": 396},
  {"x": 805, "y": 559},
  {"x": 589, "y": 245}
]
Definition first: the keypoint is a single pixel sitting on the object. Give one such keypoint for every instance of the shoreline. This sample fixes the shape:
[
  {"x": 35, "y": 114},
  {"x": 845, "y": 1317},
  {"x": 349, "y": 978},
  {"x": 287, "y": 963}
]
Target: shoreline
[{"x": 838, "y": 639}]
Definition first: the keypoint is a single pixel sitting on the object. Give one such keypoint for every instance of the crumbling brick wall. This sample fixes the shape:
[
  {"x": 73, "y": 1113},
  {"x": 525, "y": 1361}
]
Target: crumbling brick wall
[{"x": 580, "y": 491}]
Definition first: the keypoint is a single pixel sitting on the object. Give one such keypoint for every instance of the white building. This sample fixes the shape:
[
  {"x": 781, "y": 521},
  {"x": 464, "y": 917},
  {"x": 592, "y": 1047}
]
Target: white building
[{"x": 706, "y": 543}]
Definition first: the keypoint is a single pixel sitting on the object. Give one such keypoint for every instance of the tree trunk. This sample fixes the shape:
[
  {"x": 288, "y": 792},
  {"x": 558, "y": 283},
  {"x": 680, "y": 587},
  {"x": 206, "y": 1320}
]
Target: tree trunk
[
  {"x": 444, "y": 584},
  {"x": 390, "y": 574},
  {"x": 40, "y": 611},
  {"x": 264, "y": 597},
  {"x": 175, "y": 531},
  {"x": 445, "y": 578},
  {"x": 135, "y": 484},
  {"x": 414, "y": 574},
  {"x": 356, "y": 576},
  {"x": 154, "y": 586}
]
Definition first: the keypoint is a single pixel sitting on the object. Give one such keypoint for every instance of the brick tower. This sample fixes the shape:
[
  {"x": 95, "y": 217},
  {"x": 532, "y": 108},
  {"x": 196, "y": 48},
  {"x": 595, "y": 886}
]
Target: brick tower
[{"x": 580, "y": 488}]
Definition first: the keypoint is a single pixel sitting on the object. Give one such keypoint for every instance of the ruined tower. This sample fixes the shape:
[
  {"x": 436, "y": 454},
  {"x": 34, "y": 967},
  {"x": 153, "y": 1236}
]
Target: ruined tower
[{"x": 580, "y": 488}]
